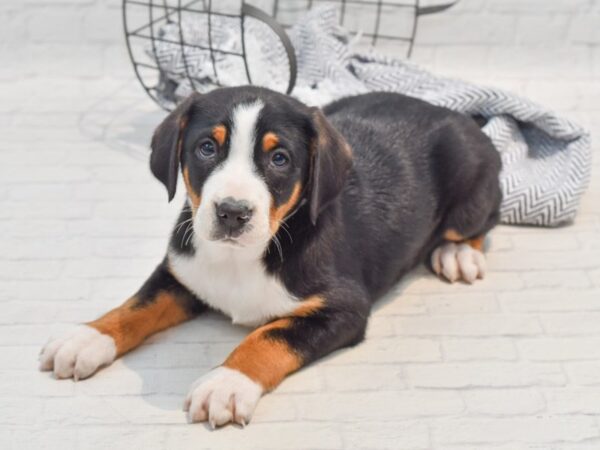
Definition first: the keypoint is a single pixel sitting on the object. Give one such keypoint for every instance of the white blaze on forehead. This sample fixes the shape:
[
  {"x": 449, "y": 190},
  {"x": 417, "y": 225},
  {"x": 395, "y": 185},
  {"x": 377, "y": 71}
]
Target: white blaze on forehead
[
  {"x": 243, "y": 134},
  {"x": 238, "y": 177}
]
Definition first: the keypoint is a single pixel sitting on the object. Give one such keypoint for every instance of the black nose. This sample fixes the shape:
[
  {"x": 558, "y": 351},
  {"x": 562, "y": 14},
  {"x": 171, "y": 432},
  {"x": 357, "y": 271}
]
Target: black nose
[{"x": 233, "y": 214}]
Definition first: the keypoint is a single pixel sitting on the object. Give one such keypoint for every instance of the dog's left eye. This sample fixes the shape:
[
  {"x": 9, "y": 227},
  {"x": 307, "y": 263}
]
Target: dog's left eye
[
  {"x": 279, "y": 159},
  {"x": 206, "y": 149}
]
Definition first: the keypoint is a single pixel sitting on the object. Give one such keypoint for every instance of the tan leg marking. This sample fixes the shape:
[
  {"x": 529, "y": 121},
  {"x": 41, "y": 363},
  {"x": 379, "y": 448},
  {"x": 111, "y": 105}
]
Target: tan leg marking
[
  {"x": 477, "y": 243},
  {"x": 263, "y": 359},
  {"x": 266, "y": 360},
  {"x": 309, "y": 306},
  {"x": 453, "y": 235},
  {"x": 130, "y": 324}
]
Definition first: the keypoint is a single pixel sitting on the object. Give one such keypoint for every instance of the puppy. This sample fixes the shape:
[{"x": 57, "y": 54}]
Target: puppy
[{"x": 296, "y": 220}]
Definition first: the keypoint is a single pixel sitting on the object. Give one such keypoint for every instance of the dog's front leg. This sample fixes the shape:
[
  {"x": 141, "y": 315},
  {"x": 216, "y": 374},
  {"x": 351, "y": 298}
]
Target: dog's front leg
[
  {"x": 159, "y": 304},
  {"x": 266, "y": 356}
]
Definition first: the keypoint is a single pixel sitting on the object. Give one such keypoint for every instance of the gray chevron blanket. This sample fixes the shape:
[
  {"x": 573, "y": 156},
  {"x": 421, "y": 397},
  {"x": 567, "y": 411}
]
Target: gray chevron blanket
[{"x": 546, "y": 158}]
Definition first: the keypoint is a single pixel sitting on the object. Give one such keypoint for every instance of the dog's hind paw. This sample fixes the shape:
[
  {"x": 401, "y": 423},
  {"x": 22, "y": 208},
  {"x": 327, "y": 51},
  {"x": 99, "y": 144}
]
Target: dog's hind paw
[{"x": 458, "y": 262}]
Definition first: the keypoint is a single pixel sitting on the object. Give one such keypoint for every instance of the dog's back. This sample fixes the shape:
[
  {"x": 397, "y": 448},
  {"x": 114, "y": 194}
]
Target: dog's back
[{"x": 415, "y": 165}]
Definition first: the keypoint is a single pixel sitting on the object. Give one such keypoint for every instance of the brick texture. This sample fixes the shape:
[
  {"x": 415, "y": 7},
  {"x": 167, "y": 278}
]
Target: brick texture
[{"x": 509, "y": 363}]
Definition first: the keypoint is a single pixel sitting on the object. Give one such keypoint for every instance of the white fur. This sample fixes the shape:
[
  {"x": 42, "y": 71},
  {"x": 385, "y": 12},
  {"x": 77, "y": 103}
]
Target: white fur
[
  {"x": 238, "y": 178},
  {"x": 234, "y": 281},
  {"x": 78, "y": 354},
  {"x": 231, "y": 277},
  {"x": 220, "y": 394},
  {"x": 458, "y": 261}
]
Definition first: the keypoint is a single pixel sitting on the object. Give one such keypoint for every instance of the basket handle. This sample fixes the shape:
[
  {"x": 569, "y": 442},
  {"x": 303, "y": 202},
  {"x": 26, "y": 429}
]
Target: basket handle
[
  {"x": 251, "y": 11},
  {"x": 423, "y": 10}
]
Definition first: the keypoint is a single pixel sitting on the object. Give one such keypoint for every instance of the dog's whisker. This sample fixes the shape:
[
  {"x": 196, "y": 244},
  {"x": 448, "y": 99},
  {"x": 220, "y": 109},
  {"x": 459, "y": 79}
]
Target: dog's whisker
[
  {"x": 190, "y": 229},
  {"x": 278, "y": 246},
  {"x": 181, "y": 224},
  {"x": 285, "y": 227}
]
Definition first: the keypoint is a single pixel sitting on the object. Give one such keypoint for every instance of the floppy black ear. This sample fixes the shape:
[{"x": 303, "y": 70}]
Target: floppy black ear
[
  {"x": 330, "y": 164},
  {"x": 166, "y": 146}
]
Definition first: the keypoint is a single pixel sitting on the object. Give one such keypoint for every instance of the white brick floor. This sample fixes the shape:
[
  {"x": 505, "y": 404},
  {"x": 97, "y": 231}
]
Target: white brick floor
[{"x": 512, "y": 362}]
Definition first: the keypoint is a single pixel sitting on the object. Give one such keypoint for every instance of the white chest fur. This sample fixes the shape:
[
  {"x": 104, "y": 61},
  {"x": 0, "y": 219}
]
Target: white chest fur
[{"x": 233, "y": 283}]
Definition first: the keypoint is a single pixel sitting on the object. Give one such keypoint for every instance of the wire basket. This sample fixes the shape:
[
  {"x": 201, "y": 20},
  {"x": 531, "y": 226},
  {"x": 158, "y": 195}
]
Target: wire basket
[{"x": 177, "y": 47}]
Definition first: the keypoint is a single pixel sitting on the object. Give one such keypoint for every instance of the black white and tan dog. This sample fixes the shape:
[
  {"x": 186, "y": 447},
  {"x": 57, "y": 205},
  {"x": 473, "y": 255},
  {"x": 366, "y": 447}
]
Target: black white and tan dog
[{"x": 296, "y": 220}]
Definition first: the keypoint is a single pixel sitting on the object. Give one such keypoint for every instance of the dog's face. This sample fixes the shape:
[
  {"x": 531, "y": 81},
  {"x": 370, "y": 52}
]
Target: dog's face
[{"x": 249, "y": 157}]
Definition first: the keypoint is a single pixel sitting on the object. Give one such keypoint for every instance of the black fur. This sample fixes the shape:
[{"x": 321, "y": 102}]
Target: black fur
[
  {"x": 162, "y": 280},
  {"x": 415, "y": 171},
  {"x": 166, "y": 142},
  {"x": 290, "y": 119}
]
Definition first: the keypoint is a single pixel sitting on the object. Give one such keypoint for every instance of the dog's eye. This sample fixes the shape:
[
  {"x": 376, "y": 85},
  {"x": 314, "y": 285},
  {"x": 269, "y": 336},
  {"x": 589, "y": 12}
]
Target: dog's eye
[
  {"x": 206, "y": 149},
  {"x": 279, "y": 159}
]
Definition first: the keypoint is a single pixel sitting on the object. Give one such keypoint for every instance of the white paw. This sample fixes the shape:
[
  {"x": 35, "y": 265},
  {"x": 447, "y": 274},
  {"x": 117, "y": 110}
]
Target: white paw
[
  {"x": 458, "y": 261},
  {"x": 221, "y": 396},
  {"x": 78, "y": 354}
]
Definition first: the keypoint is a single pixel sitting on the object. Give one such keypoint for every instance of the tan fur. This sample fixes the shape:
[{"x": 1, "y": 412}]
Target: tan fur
[
  {"x": 265, "y": 360},
  {"x": 477, "y": 243},
  {"x": 194, "y": 196},
  {"x": 129, "y": 324},
  {"x": 309, "y": 306},
  {"x": 269, "y": 141},
  {"x": 279, "y": 213},
  {"x": 219, "y": 134},
  {"x": 453, "y": 235}
]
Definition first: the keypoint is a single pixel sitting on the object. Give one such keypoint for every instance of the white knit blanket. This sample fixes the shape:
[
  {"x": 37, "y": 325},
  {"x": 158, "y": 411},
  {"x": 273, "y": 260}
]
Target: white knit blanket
[{"x": 546, "y": 158}]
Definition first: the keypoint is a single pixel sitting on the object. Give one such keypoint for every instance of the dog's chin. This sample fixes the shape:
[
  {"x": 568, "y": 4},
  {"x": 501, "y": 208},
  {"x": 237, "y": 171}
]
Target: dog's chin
[
  {"x": 228, "y": 242},
  {"x": 245, "y": 241}
]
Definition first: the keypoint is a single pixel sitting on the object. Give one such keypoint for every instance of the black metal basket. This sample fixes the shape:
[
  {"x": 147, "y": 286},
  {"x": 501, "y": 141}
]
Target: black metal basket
[{"x": 152, "y": 25}]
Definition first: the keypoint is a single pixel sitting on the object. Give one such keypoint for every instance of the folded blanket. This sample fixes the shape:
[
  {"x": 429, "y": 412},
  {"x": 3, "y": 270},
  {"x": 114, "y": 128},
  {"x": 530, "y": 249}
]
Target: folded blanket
[{"x": 546, "y": 158}]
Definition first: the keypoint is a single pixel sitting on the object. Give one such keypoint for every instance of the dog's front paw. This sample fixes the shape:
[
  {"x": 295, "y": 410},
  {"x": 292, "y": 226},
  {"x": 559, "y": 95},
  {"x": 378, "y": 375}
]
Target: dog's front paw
[
  {"x": 78, "y": 354},
  {"x": 221, "y": 396},
  {"x": 458, "y": 261}
]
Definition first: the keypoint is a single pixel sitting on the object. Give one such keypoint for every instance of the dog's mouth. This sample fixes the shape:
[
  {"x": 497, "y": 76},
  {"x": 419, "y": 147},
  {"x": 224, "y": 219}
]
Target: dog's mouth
[
  {"x": 231, "y": 236},
  {"x": 249, "y": 237},
  {"x": 227, "y": 240}
]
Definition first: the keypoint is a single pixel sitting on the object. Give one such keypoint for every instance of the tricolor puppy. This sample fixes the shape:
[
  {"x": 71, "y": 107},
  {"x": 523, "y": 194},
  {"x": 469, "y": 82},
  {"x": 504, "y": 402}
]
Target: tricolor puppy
[{"x": 297, "y": 219}]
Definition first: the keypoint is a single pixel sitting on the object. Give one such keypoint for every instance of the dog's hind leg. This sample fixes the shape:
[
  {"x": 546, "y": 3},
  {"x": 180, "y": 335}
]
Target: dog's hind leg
[
  {"x": 459, "y": 256},
  {"x": 460, "y": 260}
]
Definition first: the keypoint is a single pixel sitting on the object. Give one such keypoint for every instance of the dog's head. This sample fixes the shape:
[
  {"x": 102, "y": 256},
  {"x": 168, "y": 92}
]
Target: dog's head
[{"x": 249, "y": 158}]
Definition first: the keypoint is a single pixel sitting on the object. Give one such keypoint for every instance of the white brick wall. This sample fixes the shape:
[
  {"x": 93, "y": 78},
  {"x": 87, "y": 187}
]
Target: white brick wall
[{"x": 545, "y": 36}]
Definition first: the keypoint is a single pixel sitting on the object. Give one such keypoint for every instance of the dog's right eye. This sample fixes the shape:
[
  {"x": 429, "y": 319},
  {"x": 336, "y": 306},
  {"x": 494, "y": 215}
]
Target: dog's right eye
[{"x": 206, "y": 149}]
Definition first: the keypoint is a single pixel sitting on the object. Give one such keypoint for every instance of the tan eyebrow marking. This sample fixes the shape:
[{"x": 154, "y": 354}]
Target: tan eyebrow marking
[
  {"x": 219, "y": 133},
  {"x": 269, "y": 141}
]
